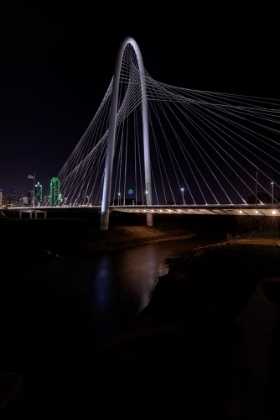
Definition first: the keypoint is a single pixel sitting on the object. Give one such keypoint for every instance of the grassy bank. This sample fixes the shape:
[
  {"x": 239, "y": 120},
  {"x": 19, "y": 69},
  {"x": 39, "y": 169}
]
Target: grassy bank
[
  {"x": 77, "y": 238},
  {"x": 82, "y": 237}
]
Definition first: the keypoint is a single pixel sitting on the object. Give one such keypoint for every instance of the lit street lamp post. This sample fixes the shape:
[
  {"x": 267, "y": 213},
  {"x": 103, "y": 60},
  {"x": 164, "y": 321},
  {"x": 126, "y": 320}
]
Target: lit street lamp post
[
  {"x": 34, "y": 191},
  {"x": 272, "y": 199},
  {"x": 119, "y": 198},
  {"x": 183, "y": 196}
]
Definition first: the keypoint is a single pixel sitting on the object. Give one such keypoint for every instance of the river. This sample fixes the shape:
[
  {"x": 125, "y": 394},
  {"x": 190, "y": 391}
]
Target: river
[{"x": 64, "y": 304}]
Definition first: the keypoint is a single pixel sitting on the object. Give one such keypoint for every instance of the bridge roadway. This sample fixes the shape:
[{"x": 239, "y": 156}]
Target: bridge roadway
[
  {"x": 230, "y": 209},
  {"x": 226, "y": 209}
]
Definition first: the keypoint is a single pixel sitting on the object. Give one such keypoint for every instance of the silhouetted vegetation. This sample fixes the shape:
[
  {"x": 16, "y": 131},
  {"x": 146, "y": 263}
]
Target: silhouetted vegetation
[{"x": 262, "y": 197}]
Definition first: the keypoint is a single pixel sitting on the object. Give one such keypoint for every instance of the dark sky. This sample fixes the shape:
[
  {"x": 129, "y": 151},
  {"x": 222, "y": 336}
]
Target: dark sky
[{"x": 57, "y": 61}]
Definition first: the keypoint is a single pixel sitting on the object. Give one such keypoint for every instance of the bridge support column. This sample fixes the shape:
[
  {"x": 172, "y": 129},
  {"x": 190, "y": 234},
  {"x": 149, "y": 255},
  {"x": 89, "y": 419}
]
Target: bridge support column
[
  {"x": 150, "y": 219},
  {"x": 104, "y": 223}
]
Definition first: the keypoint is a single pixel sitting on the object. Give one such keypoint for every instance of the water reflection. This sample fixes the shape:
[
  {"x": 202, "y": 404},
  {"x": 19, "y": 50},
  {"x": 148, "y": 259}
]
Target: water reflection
[
  {"x": 110, "y": 288},
  {"x": 73, "y": 301}
]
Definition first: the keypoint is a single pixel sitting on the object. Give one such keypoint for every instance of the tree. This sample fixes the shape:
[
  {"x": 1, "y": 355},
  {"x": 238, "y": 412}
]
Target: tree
[{"x": 262, "y": 196}]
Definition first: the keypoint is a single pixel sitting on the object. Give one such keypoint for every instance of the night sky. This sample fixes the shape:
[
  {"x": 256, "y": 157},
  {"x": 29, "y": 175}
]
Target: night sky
[{"x": 57, "y": 62}]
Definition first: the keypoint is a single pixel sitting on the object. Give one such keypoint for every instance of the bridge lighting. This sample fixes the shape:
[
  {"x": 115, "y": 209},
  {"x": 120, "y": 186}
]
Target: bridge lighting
[
  {"x": 240, "y": 211},
  {"x": 182, "y": 191},
  {"x": 273, "y": 212}
]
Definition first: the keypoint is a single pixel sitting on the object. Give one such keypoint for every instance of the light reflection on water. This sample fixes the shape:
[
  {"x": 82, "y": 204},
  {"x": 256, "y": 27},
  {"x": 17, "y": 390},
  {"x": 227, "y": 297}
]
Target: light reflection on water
[
  {"x": 66, "y": 303},
  {"x": 111, "y": 288},
  {"x": 115, "y": 285}
]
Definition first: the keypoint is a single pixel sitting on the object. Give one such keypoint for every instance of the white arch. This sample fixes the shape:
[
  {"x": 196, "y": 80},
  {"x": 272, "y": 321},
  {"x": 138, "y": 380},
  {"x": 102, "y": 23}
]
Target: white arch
[{"x": 104, "y": 223}]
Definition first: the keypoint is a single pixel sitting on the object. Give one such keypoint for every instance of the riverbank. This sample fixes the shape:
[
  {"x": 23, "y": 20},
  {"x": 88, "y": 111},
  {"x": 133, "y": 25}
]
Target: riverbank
[
  {"x": 209, "y": 341},
  {"x": 38, "y": 239},
  {"x": 33, "y": 241}
]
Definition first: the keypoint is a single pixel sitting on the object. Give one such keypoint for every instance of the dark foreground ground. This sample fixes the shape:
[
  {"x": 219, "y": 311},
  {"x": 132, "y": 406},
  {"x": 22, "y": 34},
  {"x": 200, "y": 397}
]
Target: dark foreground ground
[{"x": 186, "y": 354}]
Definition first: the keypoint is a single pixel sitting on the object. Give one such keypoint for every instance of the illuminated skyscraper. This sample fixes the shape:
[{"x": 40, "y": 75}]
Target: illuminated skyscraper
[
  {"x": 55, "y": 196},
  {"x": 14, "y": 197},
  {"x": 30, "y": 197},
  {"x": 38, "y": 194}
]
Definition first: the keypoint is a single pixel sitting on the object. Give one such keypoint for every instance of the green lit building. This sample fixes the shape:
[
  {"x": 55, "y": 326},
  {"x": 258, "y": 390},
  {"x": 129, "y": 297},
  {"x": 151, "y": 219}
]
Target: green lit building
[{"x": 55, "y": 196}]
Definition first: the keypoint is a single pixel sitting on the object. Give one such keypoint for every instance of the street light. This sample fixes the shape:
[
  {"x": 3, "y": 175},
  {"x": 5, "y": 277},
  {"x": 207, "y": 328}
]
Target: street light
[
  {"x": 182, "y": 191},
  {"x": 119, "y": 198},
  {"x": 272, "y": 185}
]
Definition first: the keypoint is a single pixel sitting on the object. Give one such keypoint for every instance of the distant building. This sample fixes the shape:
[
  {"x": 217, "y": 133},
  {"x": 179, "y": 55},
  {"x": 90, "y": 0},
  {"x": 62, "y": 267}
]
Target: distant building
[
  {"x": 24, "y": 201},
  {"x": 38, "y": 194},
  {"x": 30, "y": 198},
  {"x": 15, "y": 198},
  {"x": 55, "y": 196}
]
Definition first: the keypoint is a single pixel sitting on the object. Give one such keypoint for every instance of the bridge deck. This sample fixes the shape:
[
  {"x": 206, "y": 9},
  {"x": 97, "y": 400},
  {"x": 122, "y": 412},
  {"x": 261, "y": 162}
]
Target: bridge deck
[
  {"x": 240, "y": 210},
  {"x": 227, "y": 209}
]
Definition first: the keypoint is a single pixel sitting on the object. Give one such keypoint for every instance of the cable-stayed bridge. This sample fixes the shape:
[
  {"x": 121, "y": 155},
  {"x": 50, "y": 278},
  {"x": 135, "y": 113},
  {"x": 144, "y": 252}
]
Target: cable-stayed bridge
[{"x": 152, "y": 147}]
